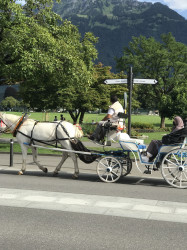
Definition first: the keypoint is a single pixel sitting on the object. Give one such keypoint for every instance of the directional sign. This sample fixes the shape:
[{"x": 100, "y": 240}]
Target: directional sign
[
  {"x": 136, "y": 81},
  {"x": 145, "y": 81},
  {"x": 115, "y": 81}
]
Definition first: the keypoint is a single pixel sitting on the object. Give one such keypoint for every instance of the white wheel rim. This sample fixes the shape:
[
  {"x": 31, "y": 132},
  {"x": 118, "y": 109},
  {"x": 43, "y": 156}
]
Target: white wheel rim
[
  {"x": 174, "y": 168},
  {"x": 109, "y": 169}
]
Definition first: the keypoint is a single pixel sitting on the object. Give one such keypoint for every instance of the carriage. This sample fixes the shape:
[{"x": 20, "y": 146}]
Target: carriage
[{"x": 171, "y": 159}]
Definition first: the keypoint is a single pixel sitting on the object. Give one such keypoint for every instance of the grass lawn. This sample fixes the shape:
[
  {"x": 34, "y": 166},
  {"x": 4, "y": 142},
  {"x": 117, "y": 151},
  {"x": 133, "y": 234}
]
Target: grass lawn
[
  {"x": 155, "y": 120},
  {"x": 41, "y": 116}
]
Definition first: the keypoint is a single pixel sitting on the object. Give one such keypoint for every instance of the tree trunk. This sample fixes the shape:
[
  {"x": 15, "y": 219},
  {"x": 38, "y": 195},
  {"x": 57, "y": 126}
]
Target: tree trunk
[
  {"x": 162, "y": 124},
  {"x": 81, "y": 117},
  {"x": 74, "y": 117}
]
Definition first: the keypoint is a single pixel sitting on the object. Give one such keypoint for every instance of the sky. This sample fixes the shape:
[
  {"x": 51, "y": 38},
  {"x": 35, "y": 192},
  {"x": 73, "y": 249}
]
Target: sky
[{"x": 179, "y": 6}]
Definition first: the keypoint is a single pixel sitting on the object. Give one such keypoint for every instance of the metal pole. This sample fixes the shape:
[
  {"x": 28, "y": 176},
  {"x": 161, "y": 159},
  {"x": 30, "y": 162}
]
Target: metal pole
[
  {"x": 11, "y": 152},
  {"x": 130, "y": 82}
]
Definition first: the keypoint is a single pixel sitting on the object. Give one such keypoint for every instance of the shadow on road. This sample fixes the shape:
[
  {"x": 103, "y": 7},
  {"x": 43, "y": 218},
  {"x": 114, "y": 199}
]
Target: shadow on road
[{"x": 87, "y": 177}]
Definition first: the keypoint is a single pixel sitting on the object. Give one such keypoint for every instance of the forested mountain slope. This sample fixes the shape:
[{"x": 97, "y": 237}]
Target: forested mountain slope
[{"x": 116, "y": 21}]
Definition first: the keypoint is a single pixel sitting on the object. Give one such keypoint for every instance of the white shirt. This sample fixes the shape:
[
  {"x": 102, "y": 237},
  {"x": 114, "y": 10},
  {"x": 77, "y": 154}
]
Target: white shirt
[{"x": 111, "y": 111}]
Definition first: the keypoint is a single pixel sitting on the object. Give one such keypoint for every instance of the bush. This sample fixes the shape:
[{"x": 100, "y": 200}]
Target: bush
[
  {"x": 88, "y": 128},
  {"x": 141, "y": 125}
]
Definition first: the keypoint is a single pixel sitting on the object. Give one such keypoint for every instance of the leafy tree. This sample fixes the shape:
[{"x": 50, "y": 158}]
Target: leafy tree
[
  {"x": 103, "y": 73},
  {"x": 10, "y": 103},
  {"x": 167, "y": 63},
  {"x": 48, "y": 56}
]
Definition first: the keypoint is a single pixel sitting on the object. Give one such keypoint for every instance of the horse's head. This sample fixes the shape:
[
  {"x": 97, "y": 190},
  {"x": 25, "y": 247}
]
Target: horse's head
[
  {"x": 2, "y": 124},
  {"x": 78, "y": 131},
  {"x": 9, "y": 120}
]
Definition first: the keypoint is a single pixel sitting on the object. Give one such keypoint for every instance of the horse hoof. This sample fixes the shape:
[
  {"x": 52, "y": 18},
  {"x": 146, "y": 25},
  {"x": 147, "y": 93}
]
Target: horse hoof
[
  {"x": 20, "y": 173},
  {"x": 75, "y": 176},
  {"x": 55, "y": 173},
  {"x": 45, "y": 170}
]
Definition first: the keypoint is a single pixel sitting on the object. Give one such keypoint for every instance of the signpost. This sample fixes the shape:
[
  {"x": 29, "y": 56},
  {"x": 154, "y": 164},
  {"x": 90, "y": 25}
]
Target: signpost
[
  {"x": 135, "y": 81},
  {"x": 130, "y": 81}
]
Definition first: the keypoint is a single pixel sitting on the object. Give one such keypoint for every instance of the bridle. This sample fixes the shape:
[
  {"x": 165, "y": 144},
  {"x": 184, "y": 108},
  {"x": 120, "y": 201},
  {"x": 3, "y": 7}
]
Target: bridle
[{"x": 8, "y": 127}]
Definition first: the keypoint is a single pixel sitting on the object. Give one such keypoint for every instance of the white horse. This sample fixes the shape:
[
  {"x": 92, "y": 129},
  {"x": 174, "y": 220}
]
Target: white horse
[{"x": 31, "y": 132}]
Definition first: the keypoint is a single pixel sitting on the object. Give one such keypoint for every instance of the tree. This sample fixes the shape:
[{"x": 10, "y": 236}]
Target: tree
[
  {"x": 103, "y": 73},
  {"x": 10, "y": 103},
  {"x": 167, "y": 63},
  {"x": 49, "y": 58}
]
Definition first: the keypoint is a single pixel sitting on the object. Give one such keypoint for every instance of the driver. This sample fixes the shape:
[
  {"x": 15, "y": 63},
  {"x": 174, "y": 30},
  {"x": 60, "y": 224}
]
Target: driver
[{"x": 111, "y": 115}]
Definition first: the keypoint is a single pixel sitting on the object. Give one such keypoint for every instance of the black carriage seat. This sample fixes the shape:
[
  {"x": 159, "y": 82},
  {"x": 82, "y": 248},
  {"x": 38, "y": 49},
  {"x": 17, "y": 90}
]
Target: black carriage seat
[
  {"x": 171, "y": 142},
  {"x": 175, "y": 137},
  {"x": 111, "y": 126}
]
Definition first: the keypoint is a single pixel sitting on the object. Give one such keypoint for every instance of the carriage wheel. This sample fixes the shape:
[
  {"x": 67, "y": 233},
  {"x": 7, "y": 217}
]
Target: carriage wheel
[
  {"x": 174, "y": 168},
  {"x": 109, "y": 169},
  {"x": 126, "y": 164}
]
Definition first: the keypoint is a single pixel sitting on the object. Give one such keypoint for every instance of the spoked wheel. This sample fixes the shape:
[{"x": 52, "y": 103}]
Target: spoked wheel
[
  {"x": 174, "y": 168},
  {"x": 109, "y": 169},
  {"x": 126, "y": 164}
]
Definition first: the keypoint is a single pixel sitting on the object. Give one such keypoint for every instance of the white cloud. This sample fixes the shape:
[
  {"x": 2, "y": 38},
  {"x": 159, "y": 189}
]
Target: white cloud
[
  {"x": 176, "y": 4},
  {"x": 173, "y": 4}
]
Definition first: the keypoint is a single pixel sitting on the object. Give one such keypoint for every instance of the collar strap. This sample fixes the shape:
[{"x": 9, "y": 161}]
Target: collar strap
[{"x": 19, "y": 124}]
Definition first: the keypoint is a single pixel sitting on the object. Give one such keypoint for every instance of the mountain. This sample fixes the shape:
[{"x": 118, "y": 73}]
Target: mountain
[{"x": 116, "y": 21}]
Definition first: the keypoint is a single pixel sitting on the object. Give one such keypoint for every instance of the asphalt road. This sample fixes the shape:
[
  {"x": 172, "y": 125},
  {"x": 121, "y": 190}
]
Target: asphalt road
[{"x": 40, "y": 211}]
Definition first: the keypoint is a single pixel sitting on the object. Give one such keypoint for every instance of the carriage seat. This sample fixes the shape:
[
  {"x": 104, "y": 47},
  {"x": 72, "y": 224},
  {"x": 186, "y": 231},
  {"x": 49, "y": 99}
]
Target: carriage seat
[
  {"x": 109, "y": 126},
  {"x": 131, "y": 144},
  {"x": 164, "y": 149}
]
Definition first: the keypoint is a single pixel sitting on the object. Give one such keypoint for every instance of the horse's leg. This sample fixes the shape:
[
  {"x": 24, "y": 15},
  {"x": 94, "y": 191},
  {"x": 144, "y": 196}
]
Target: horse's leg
[
  {"x": 64, "y": 157},
  {"x": 34, "y": 154},
  {"x": 24, "y": 157},
  {"x": 74, "y": 158}
]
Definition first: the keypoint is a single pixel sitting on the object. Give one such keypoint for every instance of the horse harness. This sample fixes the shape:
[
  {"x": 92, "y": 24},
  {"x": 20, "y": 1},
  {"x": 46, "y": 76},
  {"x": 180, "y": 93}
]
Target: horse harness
[
  {"x": 33, "y": 140},
  {"x": 24, "y": 118},
  {"x": 19, "y": 124}
]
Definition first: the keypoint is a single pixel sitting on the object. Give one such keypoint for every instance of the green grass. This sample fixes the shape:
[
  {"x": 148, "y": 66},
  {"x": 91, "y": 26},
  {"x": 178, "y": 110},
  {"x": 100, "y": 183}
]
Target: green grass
[
  {"x": 155, "y": 120},
  {"x": 41, "y": 116}
]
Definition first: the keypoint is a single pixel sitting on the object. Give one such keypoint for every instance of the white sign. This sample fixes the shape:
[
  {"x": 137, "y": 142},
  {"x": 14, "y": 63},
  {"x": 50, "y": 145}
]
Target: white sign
[
  {"x": 145, "y": 81},
  {"x": 137, "y": 81},
  {"x": 115, "y": 81}
]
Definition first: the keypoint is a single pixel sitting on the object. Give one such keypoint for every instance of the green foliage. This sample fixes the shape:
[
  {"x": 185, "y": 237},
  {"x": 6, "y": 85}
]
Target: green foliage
[
  {"x": 48, "y": 56},
  {"x": 115, "y": 22},
  {"x": 88, "y": 128},
  {"x": 142, "y": 125},
  {"x": 10, "y": 103},
  {"x": 167, "y": 63}
]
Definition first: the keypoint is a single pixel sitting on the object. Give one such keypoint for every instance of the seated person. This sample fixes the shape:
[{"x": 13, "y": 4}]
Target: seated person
[
  {"x": 112, "y": 115},
  {"x": 154, "y": 145}
]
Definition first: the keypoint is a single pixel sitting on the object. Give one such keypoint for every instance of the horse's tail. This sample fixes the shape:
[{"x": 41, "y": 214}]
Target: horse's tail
[{"x": 78, "y": 131}]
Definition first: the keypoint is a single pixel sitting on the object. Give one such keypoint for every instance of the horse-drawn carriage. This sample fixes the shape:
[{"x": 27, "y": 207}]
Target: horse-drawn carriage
[{"x": 111, "y": 164}]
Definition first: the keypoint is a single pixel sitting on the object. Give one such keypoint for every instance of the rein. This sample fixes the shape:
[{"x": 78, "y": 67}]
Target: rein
[
  {"x": 8, "y": 127},
  {"x": 50, "y": 141},
  {"x": 20, "y": 122}
]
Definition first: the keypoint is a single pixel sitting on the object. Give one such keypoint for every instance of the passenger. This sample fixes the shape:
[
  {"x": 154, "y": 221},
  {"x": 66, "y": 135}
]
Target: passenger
[
  {"x": 154, "y": 145},
  {"x": 112, "y": 115}
]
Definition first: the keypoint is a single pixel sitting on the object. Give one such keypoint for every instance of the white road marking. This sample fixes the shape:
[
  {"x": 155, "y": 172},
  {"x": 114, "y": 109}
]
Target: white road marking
[{"x": 95, "y": 204}]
